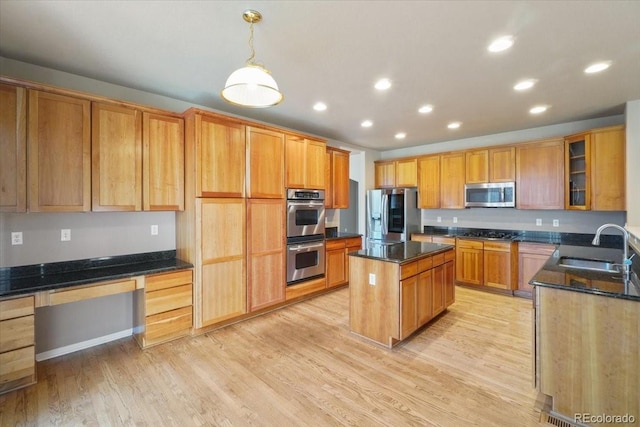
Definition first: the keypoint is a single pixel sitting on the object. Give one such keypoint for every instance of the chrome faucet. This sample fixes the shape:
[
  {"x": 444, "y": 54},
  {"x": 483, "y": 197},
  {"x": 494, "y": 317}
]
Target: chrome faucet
[{"x": 626, "y": 262}]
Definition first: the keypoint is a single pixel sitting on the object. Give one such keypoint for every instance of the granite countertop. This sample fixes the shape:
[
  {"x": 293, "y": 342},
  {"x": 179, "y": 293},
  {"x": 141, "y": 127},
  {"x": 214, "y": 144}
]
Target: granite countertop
[
  {"x": 332, "y": 233},
  {"x": 40, "y": 277},
  {"x": 400, "y": 252},
  {"x": 552, "y": 275}
]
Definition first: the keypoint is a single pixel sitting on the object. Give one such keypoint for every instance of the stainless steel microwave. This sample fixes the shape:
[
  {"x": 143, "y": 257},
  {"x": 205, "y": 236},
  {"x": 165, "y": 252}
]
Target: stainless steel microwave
[{"x": 490, "y": 195}]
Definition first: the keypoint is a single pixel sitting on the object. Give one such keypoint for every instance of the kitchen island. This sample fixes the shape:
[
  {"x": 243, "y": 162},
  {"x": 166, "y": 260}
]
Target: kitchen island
[
  {"x": 396, "y": 289},
  {"x": 587, "y": 337}
]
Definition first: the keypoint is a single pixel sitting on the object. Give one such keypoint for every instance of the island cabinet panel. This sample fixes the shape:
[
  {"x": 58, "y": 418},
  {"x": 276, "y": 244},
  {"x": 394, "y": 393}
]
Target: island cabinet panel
[
  {"x": 162, "y": 162},
  {"x": 449, "y": 279},
  {"x": 17, "y": 343},
  {"x": 424, "y": 296},
  {"x": 58, "y": 153},
  {"x": 452, "y": 180},
  {"x": 408, "y": 306},
  {"x": 266, "y": 253},
  {"x": 116, "y": 152},
  {"x": 540, "y": 175},
  {"x": 265, "y": 163},
  {"x": 13, "y": 146},
  {"x": 429, "y": 182}
]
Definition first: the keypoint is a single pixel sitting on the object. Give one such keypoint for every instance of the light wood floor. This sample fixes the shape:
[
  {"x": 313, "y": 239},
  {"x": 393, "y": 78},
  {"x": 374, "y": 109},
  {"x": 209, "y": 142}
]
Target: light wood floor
[{"x": 300, "y": 366}]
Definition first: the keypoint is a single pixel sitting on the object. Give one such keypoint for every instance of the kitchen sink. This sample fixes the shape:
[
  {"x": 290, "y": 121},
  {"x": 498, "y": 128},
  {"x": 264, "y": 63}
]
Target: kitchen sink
[{"x": 589, "y": 264}]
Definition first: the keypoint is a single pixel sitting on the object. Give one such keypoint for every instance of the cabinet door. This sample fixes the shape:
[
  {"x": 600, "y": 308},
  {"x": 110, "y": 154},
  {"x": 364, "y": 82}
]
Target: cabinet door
[
  {"x": 477, "y": 166},
  {"x": 13, "y": 146},
  {"x": 385, "y": 174},
  {"x": 265, "y": 164},
  {"x": 116, "y": 153},
  {"x": 219, "y": 157},
  {"x": 162, "y": 162},
  {"x": 429, "y": 182},
  {"x": 577, "y": 181},
  {"x": 328, "y": 188},
  {"x": 315, "y": 164},
  {"x": 408, "y": 313},
  {"x": 59, "y": 153},
  {"x": 452, "y": 180},
  {"x": 540, "y": 175},
  {"x": 295, "y": 161},
  {"x": 407, "y": 173},
  {"x": 531, "y": 257},
  {"x": 502, "y": 164},
  {"x": 497, "y": 269},
  {"x": 469, "y": 262},
  {"x": 220, "y": 293},
  {"x": 608, "y": 170},
  {"x": 449, "y": 283},
  {"x": 424, "y": 296},
  {"x": 266, "y": 252},
  {"x": 340, "y": 164},
  {"x": 438, "y": 290},
  {"x": 336, "y": 263}
]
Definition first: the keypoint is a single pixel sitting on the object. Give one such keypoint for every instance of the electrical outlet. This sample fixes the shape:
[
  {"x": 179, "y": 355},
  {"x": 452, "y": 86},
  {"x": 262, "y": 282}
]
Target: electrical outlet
[
  {"x": 455, "y": 219},
  {"x": 538, "y": 222},
  {"x": 65, "y": 235},
  {"x": 439, "y": 219},
  {"x": 154, "y": 230},
  {"x": 372, "y": 279},
  {"x": 556, "y": 223},
  {"x": 16, "y": 237}
]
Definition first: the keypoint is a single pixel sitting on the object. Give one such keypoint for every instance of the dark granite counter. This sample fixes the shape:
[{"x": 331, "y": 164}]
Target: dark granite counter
[
  {"x": 613, "y": 285},
  {"x": 40, "y": 277},
  {"x": 400, "y": 252},
  {"x": 332, "y": 233}
]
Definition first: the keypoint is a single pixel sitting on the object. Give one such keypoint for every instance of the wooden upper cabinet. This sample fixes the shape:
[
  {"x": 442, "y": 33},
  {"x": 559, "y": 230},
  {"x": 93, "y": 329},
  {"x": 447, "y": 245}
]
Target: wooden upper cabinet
[
  {"x": 502, "y": 164},
  {"x": 216, "y": 152},
  {"x": 162, "y": 162},
  {"x": 340, "y": 176},
  {"x": 265, "y": 163},
  {"x": 608, "y": 159},
  {"x": 116, "y": 152},
  {"x": 540, "y": 175},
  {"x": 305, "y": 163},
  {"x": 407, "y": 173},
  {"x": 429, "y": 182},
  {"x": 385, "y": 174},
  {"x": 13, "y": 146},
  {"x": 477, "y": 166},
  {"x": 452, "y": 180},
  {"x": 59, "y": 153},
  {"x": 328, "y": 179}
]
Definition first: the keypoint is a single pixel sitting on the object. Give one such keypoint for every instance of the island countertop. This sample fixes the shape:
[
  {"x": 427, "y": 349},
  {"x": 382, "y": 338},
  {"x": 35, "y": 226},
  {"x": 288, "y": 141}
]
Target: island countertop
[{"x": 400, "y": 253}]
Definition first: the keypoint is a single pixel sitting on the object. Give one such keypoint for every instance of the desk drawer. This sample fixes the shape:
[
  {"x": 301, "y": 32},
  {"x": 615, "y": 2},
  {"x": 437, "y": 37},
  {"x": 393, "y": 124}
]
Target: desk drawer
[
  {"x": 168, "y": 324},
  {"x": 87, "y": 292},
  {"x": 168, "y": 299},
  {"x": 167, "y": 280},
  {"x": 16, "y": 333},
  {"x": 17, "y": 307},
  {"x": 17, "y": 364}
]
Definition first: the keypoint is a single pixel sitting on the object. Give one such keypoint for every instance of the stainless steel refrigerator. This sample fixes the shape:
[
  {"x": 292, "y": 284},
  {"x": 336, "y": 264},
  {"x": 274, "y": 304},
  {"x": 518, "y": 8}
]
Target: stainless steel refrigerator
[{"x": 392, "y": 214}]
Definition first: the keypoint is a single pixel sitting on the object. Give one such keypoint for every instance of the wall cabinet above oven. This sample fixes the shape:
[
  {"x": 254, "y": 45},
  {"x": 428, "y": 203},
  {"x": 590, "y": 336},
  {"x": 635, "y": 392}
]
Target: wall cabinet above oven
[{"x": 305, "y": 163}]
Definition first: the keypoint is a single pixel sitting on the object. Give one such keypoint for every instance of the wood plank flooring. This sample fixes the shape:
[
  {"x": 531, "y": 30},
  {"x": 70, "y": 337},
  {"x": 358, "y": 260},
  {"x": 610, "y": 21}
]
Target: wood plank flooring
[{"x": 300, "y": 366}]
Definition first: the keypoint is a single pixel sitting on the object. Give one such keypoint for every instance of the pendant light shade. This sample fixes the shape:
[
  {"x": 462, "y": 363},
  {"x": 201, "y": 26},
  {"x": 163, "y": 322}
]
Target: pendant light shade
[{"x": 252, "y": 85}]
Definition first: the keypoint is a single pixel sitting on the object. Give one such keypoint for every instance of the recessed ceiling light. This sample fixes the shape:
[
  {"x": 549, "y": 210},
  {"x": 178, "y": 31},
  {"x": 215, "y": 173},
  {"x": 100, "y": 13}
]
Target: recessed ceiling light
[
  {"x": 383, "y": 84},
  {"x": 366, "y": 124},
  {"x": 319, "y": 106},
  {"x": 597, "y": 67},
  {"x": 525, "y": 84},
  {"x": 538, "y": 109},
  {"x": 454, "y": 125},
  {"x": 401, "y": 135},
  {"x": 425, "y": 109},
  {"x": 500, "y": 44}
]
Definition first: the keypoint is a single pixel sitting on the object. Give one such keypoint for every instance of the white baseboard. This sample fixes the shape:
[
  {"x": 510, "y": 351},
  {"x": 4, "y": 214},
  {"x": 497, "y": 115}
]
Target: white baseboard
[{"x": 61, "y": 351}]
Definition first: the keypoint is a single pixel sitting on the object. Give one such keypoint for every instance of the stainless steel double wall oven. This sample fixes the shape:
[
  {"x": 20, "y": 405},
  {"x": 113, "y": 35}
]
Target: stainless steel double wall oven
[{"x": 305, "y": 235}]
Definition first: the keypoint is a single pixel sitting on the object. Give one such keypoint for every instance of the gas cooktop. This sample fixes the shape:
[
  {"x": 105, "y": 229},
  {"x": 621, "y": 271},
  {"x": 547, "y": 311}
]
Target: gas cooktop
[{"x": 488, "y": 234}]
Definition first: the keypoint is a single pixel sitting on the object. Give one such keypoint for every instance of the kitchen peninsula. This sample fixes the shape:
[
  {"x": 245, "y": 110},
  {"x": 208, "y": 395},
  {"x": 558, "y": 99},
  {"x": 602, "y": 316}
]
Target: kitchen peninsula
[{"x": 396, "y": 289}]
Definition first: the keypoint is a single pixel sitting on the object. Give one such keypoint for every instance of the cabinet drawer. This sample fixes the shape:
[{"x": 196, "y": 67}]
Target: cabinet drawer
[
  {"x": 408, "y": 270},
  {"x": 335, "y": 244},
  {"x": 445, "y": 240},
  {"x": 16, "y": 333},
  {"x": 167, "y": 280},
  {"x": 17, "y": 307},
  {"x": 417, "y": 237},
  {"x": 168, "y": 323},
  {"x": 497, "y": 246},
  {"x": 354, "y": 242},
  {"x": 17, "y": 364},
  {"x": 168, "y": 299},
  {"x": 450, "y": 255},
  {"x": 536, "y": 248},
  {"x": 100, "y": 290},
  {"x": 438, "y": 259},
  {"x": 425, "y": 264},
  {"x": 473, "y": 244}
]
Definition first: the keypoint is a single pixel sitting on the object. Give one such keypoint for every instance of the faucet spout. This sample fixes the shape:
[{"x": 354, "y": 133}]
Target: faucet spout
[{"x": 625, "y": 238}]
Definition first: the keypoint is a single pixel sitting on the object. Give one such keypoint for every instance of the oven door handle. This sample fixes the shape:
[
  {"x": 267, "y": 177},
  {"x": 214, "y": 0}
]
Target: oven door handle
[
  {"x": 311, "y": 204},
  {"x": 300, "y": 247}
]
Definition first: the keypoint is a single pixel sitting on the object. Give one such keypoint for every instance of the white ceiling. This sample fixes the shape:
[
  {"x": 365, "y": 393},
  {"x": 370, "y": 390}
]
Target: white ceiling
[{"x": 333, "y": 51}]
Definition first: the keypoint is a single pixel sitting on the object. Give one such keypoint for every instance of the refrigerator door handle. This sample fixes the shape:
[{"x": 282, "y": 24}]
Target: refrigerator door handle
[{"x": 384, "y": 214}]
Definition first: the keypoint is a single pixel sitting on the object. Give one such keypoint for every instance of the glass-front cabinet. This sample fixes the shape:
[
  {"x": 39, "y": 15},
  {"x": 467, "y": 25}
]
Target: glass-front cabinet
[{"x": 577, "y": 191}]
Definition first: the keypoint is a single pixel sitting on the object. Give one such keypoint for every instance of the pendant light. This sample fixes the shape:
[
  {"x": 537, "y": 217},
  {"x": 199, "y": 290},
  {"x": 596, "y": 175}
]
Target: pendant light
[{"x": 252, "y": 86}]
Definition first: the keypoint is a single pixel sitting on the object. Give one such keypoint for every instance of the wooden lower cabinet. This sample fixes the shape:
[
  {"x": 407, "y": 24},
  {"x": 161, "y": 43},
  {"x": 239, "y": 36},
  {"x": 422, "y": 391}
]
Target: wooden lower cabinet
[
  {"x": 166, "y": 310},
  {"x": 469, "y": 261},
  {"x": 487, "y": 263},
  {"x": 531, "y": 257},
  {"x": 17, "y": 343},
  {"x": 408, "y": 306},
  {"x": 337, "y": 259}
]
